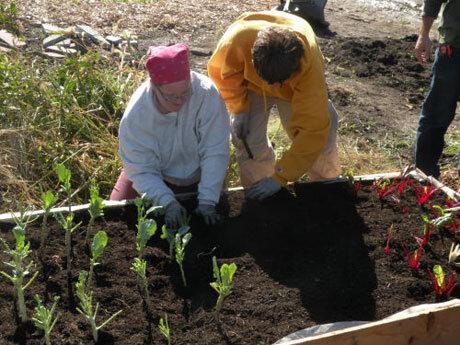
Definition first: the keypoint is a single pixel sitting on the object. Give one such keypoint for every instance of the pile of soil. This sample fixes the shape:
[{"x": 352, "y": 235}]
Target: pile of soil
[{"x": 312, "y": 254}]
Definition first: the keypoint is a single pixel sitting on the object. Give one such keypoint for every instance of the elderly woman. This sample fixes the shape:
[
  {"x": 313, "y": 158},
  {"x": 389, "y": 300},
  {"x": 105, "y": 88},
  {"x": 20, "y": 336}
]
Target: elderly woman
[{"x": 174, "y": 137}]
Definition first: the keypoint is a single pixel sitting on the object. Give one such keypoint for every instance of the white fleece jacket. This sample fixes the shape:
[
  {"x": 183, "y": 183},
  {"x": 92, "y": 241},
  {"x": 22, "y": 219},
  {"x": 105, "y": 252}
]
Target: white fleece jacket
[{"x": 182, "y": 147}]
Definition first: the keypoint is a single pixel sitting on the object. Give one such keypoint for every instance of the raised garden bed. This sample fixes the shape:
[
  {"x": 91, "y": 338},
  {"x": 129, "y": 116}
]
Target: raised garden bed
[{"x": 312, "y": 254}]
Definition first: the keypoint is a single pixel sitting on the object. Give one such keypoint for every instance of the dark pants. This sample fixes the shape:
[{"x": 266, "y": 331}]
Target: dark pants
[{"x": 438, "y": 111}]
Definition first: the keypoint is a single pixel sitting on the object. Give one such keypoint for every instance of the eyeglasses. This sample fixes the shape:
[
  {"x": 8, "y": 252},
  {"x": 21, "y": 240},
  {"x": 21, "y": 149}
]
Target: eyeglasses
[{"x": 173, "y": 98}]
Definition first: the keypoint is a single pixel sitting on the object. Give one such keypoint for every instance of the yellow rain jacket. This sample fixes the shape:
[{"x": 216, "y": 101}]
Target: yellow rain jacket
[{"x": 231, "y": 69}]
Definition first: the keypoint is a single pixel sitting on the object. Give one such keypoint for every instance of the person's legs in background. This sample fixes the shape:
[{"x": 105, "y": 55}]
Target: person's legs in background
[{"x": 438, "y": 112}]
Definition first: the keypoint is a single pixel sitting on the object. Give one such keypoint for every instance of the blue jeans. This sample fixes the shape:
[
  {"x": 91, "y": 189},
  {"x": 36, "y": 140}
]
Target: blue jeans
[{"x": 438, "y": 111}]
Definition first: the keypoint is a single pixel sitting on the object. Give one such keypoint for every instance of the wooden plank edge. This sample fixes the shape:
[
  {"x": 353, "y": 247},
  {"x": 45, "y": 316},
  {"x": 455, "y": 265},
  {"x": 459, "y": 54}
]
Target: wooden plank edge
[{"x": 430, "y": 324}]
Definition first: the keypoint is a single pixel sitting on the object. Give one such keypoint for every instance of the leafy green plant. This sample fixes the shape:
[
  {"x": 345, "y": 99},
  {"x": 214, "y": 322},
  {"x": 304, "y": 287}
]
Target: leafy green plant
[
  {"x": 67, "y": 224},
  {"x": 224, "y": 278},
  {"x": 64, "y": 176},
  {"x": 180, "y": 244},
  {"x": 96, "y": 206},
  {"x": 43, "y": 317},
  {"x": 170, "y": 235},
  {"x": 86, "y": 306},
  {"x": 139, "y": 266},
  {"x": 18, "y": 267},
  {"x": 8, "y": 16},
  {"x": 164, "y": 328},
  {"x": 48, "y": 201},
  {"x": 97, "y": 248},
  {"x": 145, "y": 230},
  {"x": 146, "y": 227}
]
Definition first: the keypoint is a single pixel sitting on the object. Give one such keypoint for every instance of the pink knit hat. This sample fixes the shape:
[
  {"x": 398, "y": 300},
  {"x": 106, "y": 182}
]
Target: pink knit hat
[{"x": 168, "y": 64}]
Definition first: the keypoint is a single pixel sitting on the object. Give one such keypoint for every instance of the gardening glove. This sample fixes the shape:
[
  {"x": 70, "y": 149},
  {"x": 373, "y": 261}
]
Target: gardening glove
[
  {"x": 240, "y": 125},
  {"x": 263, "y": 189},
  {"x": 209, "y": 214},
  {"x": 175, "y": 215}
]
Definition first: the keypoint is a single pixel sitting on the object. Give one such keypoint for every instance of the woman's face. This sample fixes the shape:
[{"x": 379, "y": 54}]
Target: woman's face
[{"x": 171, "y": 97}]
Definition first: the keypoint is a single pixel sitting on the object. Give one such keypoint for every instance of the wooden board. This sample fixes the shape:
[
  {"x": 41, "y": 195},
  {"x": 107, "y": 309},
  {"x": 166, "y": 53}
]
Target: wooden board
[{"x": 436, "y": 324}]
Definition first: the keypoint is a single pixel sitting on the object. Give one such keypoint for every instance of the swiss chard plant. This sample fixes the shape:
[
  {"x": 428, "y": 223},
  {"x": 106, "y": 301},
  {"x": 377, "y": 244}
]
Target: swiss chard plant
[
  {"x": 139, "y": 266},
  {"x": 427, "y": 230},
  {"x": 439, "y": 282},
  {"x": 97, "y": 248},
  {"x": 413, "y": 260},
  {"x": 353, "y": 187},
  {"x": 387, "y": 247},
  {"x": 43, "y": 317},
  {"x": 224, "y": 278},
  {"x": 424, "y": 193},
  {"x": 164, "y": 328},
  {"x": 96, "y": 206},
  {"x": 384, "y": 187},
  {"x": 49, "y": 199},
  {"x": 19, "y": 268},
  {"x": 86, "y": 306}
]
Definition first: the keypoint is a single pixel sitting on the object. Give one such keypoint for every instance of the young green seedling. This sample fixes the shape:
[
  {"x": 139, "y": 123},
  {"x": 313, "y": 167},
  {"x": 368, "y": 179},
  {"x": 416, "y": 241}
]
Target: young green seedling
[
  {"x": 67, "y": 224},
  {"x": 223, "y": 284},
  {"x": 170, "y": 235},
  {"x": 390, "y": 232},
  {"x": 146, "y": 227},
  {"x": 181, "y": 242},
  {"x": 139, "y": 266},
  {"x": 18, "y": 256},
  {"x": 43, "y": 318},
  {"x": 97, "y": 248},
  {"x": 49, "y": 200},
  {"x": 64, "y": 176},
  {"x": 86, "y": 306},
  {"x": 164, "y": 328},
  {"x": 96, "y": 206}
]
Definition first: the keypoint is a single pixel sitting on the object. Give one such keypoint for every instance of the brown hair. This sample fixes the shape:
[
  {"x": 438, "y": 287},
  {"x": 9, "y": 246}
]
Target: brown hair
[{"x": 276, "y": 53}]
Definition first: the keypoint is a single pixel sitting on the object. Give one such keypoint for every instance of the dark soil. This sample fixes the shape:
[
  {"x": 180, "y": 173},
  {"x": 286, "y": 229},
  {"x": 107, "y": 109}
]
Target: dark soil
[{"x": 312, "y": 254}]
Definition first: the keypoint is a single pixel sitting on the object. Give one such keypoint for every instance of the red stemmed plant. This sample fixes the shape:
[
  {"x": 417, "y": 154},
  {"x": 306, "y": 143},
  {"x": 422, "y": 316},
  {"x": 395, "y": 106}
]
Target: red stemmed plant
[
  {"x": 387, "y": 247},
  {"x": 446, "y": 220},
  {"x": 398, "y": 201},
  {"x": 450, "y": 203},
  {"x": 424, "y": 193},
  {"x": 402, "y": 185},
  {"x": 439, "y": 283},
  {"x": 427, "y": 230},
  {"x": 384, "y": 188},
  {"x": 353, "y": 187},
  {"x": 413, "y": 262}
]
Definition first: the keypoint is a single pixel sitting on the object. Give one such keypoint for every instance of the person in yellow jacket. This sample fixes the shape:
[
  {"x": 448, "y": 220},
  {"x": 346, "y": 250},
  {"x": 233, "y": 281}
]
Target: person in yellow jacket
[{"x": 273, "y": 58}]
